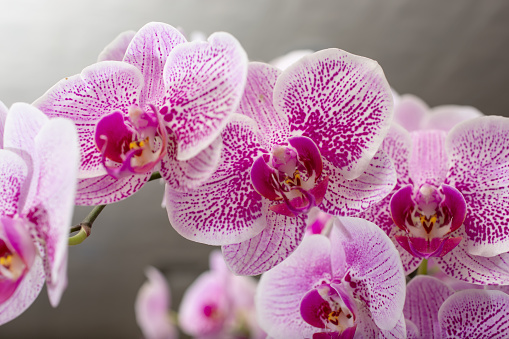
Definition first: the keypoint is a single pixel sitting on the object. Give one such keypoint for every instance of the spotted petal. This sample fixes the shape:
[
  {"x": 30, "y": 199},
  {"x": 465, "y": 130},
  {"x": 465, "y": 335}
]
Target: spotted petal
[
  {"x": 148, "y": 51},
  {"x": 257, "y": 103},
  {"x": 25, "y": 294},
  {"x": 281, "y": 289},
  {"x": 115, "y": 50},
  {"x": 264, "y": 251},
  {"x": 13, "y": 177},
  {"x": 100, "y": 89},
  {"x": 480, "y": 171},
  {"x": 204, "y": 84},
  {"x": 342, "y": 102},
  {"x": 475, "y": 314},
  {"x": 424, "y": 297},
  {"x": 226, "y": 209},
  {"x": 348, "y": 197},
  {"x": 367, "y": 258}
]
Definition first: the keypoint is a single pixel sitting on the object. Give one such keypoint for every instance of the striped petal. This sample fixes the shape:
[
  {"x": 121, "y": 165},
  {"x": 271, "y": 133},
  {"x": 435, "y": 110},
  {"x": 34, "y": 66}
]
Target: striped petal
[
  {"x": 13, "y": 178},
  {"x": 266, "y": 250},
  {"x": 480, "y": 171},
  {"x": 428, "y": 162},
  {"x": 99, "y": 90},
  {"x": 204, "y": 84},
  {"x": 342, "y": 102}
]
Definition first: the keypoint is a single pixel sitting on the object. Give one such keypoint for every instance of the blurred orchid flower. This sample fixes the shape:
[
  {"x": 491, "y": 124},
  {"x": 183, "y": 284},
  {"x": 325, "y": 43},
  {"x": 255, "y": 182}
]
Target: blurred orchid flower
[
  {"x": 437, "y": 312},
  {"x": 220, "y": 305},
  {"x": 152, "y": 307},
  {"x": 350, "y": 284},
  {"x": 161, "y": 108},
  {"x": 38, "y": 168},
  {"x": 307, "y": 137},
  {"x": 451, "y": 199},
  {"x": 413, "y": 114}
]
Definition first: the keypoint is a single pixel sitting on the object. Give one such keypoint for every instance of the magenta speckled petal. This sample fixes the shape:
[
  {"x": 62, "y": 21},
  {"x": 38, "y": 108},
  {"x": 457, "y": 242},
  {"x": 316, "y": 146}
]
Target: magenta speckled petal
[
  {"x": 410, "y": 112},
  {"x": 281, "y": 289},
  {"x": 475, "y": 314},
  {"x": 372, "y": 266},
  {"x": 115, "y": 50},
  {"x": 424, "y": 296},
  {"x": 349, "y": 197},
  {"x": 257, "y": 103},
  {"x": 152, "y": 307},
  {"x": 189, "y": 174},
  {"x": 274, "y": 244},
  {"x": 226, "y": 209},
  {"x": 106, "y": 190},
  {"x": 100, "y": 89},
  {"x": 342, "y": 102},
  {"x": 204, "y": 84},
  {"x": 56, "y": 159},
  {"x": 367, "y": 329},
  {"x": 13, "y": 175},
  {"x": 148, "y": 51},
  {"x": 428, "y": 163},
  {"x": 446, "y": 117},
  {"x": 461, "y": 265},
  {"x": 25, "y": 294},
  {"x": 3, "y": 116},
  {"x": 479, "y": 169}
]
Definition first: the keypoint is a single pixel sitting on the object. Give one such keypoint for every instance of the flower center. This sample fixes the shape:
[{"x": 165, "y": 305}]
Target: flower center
[
  {"x": 428, "y": 217},
  {"x": 131, "y": 144},
  {"x": 291, "y": 174},
  {"x": 11, "y": 265}
]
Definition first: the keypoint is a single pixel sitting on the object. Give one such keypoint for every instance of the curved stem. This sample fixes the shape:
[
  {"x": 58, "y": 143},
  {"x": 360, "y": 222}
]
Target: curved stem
[
  {"x": 155, "y": 176},
  {"x": 423, "y": 267},
  {"x": 85, "y": 226}
]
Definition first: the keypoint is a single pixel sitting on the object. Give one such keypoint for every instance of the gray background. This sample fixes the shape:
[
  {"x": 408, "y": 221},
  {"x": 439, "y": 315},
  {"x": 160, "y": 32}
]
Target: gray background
[{"x": 446, "y": 52}]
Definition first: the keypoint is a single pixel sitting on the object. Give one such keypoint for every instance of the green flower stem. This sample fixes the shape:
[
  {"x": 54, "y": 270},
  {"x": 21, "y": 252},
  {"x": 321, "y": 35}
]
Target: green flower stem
[
  {"x": 423, "y": 267},
  {"x": 155, "y": 176},
  {"x": 85, "y": 227}
]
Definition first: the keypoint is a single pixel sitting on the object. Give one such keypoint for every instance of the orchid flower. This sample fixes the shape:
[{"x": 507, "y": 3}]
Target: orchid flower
[
  {"x": 437, "y": 312},
  {"x": 450, "y": 203},
  {"x": 219, "y": 304},
  {"x": 307, "y": 137},
  {"x": 161, "y": 108},
  {"x": 152, "y": 307},
  {"x": 350, "y": 284},
  {"x": 285, "y": 61},
  {"x": 413, "y": 114},
  {"x": 38, "y": 167}
]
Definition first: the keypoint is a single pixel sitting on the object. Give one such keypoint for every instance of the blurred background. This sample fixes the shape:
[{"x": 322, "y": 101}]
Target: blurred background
[{"x": 446, "y": 52}]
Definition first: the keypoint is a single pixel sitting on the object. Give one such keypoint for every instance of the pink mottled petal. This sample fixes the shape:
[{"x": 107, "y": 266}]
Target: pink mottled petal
[
  {"x": 116, "y": 49},
  {"x": 257, "y": 103},
  {"x": 264, "y": 251},
  {"x": 281, "y": 289},
  {"x": 17, "y": 234},
  {"x": 226, "y": 209},
  {"x": 397, "y": 332},
  {"x": 148, "y": 51},
  {"x": 349, "y": 197},
  {"x": 204, "y": 85},
  {"x": 285, "y": 61},
  {"x": 372, "y": 265},
  {"x": 462, "y": 265},
  {"x": 25, "y": 294},
  {"x": 412, "y": 332},
  {"x": 367, "y": 329},
  {"x": 189, "y": 174},
  {"x": 56, "y": 160},
  {"x": 479, "y": 169},
  {"x": 428, "y": 163},
  {"x": 424, "y": 296},
  {"x": 342, "y": 102},
  {"x": 3, "y": 116},
  {"x": 13, "y": 176},
  {"x": 100, "y": 89},
  {"x": 410, "y": 112},
  {"x": 105, "y": 189},
  {"x": 152, "y": 307},
  {"x": 475, "y": 314},
  {"x": 504, "y": 288},
  {"x": 205, "y": 306},
  {"x": 446, "y": 117}
]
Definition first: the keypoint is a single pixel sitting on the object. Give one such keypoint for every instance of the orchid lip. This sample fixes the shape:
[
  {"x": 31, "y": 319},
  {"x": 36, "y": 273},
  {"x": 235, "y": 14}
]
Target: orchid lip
[
  {"x": 428, "y": 216},
  {"x": 133, "y": 144},
  {"x": 290, "y": 174}
]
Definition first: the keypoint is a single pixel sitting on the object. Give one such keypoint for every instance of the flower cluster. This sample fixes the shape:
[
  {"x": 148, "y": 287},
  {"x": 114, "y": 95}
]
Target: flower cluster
[{"x": 312, "y": 172}]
